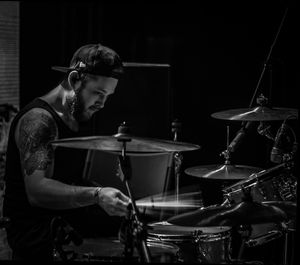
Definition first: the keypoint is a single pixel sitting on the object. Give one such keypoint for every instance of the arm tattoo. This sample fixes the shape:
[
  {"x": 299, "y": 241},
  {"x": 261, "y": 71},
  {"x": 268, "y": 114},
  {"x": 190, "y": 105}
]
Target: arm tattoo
[{"x": 36, "y": 131}]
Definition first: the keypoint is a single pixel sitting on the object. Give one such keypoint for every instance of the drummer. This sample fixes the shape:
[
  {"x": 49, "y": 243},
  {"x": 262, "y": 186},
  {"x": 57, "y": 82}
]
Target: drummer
[{"x": 40, "y": 184}]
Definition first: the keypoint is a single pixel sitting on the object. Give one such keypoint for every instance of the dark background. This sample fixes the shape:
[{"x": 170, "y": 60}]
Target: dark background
[{"x": 216, "y": 55}]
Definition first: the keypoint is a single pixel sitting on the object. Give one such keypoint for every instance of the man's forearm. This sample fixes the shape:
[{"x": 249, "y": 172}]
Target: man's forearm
[{"x": 52, "y": 194}]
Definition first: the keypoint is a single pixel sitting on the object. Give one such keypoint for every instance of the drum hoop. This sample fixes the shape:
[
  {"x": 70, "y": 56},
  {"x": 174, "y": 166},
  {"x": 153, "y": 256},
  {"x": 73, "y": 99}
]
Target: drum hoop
[
  {"x": 171, "y": 238},
  {"x": 188, "y": 238},
  {"x": 163, "y": 245}
]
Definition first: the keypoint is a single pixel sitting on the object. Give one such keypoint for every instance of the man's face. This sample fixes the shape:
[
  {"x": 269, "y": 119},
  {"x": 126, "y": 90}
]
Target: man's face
[{"x": 91, "y": 96}]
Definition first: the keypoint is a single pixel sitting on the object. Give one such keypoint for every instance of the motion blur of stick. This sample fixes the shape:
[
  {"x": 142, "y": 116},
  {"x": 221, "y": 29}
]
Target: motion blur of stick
[{"x": 152, "y": 206}]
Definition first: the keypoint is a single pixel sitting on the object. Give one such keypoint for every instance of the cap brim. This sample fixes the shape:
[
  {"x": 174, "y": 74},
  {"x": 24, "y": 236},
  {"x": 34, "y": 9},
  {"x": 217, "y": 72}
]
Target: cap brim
[{"x": 61, "y": 68}]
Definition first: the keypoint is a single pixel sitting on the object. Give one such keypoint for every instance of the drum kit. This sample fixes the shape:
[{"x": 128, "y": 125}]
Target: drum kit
[{"x": 260, "y": 206}]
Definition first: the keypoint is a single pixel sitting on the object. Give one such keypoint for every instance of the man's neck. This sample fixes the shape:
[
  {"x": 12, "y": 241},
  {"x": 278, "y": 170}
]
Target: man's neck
[{"x": 57, "y": 98}]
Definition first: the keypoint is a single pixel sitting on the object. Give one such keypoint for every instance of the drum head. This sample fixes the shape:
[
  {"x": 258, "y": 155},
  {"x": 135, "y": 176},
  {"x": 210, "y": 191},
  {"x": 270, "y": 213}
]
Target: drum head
[{"x": 165, "y": 230}]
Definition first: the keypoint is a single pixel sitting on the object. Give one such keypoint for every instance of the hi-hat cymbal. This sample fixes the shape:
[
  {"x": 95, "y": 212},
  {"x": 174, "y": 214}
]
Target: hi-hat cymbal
[
  {"x": 239, "y": 214},
  {"x": 222, "y": 172},
  {"x": 260, "y": 113},
  {"x": 133, "y": 144}
]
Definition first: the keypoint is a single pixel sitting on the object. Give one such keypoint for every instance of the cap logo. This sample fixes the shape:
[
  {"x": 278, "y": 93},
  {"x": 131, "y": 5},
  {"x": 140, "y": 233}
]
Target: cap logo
[{"x": 81, "y": 64}]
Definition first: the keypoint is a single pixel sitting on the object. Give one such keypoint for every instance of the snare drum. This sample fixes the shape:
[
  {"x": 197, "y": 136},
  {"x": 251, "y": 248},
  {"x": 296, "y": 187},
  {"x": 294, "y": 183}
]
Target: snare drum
[
  {"x": 112, "y": 250},
  {"x": 196, "y": 244}
]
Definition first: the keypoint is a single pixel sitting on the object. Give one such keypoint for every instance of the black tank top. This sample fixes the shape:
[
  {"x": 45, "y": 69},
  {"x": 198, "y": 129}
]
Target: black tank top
[{"x": 27, "y": 220}]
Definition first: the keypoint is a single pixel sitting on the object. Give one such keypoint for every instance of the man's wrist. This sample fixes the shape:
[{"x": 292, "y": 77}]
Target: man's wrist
[{"x": 97, "y": 194}]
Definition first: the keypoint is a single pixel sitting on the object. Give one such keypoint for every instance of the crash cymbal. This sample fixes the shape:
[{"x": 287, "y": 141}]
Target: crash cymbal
[
  {"x": 239, "y": 214},
  {"x": 260, "y": 113},
  {"x": 133, "y": 144},
  {"x": 222, "y": 172}
]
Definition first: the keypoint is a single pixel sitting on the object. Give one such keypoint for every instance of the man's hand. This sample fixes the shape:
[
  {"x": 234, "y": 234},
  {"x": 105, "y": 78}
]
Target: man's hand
[{"x": 113, "y": 201}]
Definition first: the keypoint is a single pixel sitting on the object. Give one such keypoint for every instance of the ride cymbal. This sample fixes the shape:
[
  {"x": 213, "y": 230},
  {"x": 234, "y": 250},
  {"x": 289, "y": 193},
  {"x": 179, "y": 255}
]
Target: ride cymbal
[
  {"x": 260, "y": 113},
  {"x": 222, "y": 172}
]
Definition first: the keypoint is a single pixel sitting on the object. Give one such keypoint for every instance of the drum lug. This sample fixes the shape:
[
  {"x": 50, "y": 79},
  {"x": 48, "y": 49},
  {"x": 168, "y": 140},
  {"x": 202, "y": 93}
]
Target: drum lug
[{"x": 197, "y": 235}]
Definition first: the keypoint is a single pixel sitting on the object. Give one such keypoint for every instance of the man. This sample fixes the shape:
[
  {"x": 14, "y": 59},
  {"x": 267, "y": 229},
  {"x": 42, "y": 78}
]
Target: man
[{"x": 39, "y": 184}]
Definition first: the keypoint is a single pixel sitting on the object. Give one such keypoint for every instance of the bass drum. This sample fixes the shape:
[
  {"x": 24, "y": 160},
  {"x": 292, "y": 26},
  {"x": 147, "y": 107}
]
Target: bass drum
[
  {"x": 112, "y": 250},
  {"x": 210, "y": 245}
]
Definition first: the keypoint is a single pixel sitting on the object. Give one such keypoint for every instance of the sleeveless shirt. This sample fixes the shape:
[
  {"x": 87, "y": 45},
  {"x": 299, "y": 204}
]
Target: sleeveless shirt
[{"x": 30, "y": 227}]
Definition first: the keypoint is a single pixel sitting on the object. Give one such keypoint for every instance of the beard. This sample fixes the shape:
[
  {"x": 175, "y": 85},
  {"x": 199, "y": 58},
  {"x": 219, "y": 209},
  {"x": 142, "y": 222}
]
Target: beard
[{"x": 77, "y": 106}]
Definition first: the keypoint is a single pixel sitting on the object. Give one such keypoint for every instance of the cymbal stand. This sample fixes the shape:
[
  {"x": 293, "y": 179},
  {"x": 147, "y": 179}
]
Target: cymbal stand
[
  {"x": 226, "y": 153},
  {"x": 245, "y": 231},
  {"x": 176, "y": 128},
  {"x": 266, "y": 62},
  {"x": 139, "y": 234}
]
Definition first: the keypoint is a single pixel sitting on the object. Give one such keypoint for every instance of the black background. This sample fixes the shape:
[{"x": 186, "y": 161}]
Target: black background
[{"x": 216, "y": 54}]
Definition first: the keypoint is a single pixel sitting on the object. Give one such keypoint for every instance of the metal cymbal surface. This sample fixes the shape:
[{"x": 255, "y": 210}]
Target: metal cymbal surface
[
  {"x": 289, "y": 207},
  {"x": 222, "y": 172},
  {"x": 192, "y": 218},
  {"x": 134, "y": 144},
  {"x": 238, "y": 214},
  {"x": 260, "y": 113}
]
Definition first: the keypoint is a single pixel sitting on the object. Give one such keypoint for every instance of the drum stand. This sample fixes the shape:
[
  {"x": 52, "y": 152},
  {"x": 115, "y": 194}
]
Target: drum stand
[{"x": 139, "y": 233}]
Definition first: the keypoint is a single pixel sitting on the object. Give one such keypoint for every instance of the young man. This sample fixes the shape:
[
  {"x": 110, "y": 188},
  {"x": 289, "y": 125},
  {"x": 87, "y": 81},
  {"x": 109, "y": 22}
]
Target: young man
[{"x": 39, "y": 184}]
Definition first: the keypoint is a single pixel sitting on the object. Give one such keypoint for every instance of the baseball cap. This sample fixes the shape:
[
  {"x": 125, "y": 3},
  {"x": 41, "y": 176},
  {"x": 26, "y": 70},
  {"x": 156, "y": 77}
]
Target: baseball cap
[{"x": 95, "y": 59}]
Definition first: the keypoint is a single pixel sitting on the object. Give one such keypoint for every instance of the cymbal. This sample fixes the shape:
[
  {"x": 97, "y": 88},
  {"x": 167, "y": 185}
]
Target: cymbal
[
  {"x": 133, "y": 145},
  {"x": 222, "y": 172},
  {"x": 192, "y": 218},
  {"x": 289, "y": 207},
  {"x": 239, "y": 214},
  {"x": 260, "y": 113}
]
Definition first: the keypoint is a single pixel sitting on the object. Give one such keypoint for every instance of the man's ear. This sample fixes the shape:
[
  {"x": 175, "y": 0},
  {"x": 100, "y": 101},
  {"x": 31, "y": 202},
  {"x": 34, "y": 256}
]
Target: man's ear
[{"x": 74, "y": 80}]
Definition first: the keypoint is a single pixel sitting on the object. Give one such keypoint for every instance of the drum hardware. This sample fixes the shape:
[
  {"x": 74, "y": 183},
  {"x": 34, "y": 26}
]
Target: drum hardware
[
  {"x": 226, "y": 171},
  {"x": 245, "y": 231},
  {"x": 63, "y": 234},
  {"x": 264, "y": 129},
  {"x": 279, "y": 152},
  {"x": 177, "y": 156},
  {"x": 136, "y": 239},
  {"x": 255, "y": 182}
]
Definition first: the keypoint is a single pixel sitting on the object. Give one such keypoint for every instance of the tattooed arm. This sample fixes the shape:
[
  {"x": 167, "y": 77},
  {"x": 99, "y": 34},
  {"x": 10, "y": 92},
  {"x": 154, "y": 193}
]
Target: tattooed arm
[{"x": 33, "y": 135}]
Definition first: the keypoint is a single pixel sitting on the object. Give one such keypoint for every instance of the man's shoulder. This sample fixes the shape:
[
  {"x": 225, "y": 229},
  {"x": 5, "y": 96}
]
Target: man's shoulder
[
  {"x": 37, "y": 112},
  {"x": 34, "y": 121}
]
